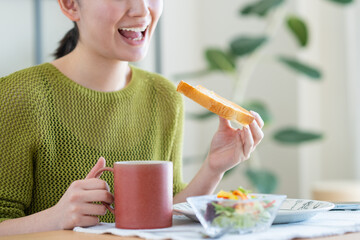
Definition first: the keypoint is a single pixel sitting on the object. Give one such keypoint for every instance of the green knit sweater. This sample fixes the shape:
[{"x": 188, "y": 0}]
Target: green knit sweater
[{"x": 54, "y": 130}]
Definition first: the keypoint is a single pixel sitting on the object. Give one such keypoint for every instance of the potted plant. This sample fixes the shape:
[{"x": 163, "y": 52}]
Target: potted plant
[{"x": 239, "y": 60}]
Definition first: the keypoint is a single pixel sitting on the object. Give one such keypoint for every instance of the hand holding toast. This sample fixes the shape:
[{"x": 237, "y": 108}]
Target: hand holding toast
[{"x": 231, "y": 146}]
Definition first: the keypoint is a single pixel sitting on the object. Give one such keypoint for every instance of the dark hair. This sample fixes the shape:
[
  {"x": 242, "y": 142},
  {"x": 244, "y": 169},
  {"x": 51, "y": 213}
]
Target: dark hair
[{"x": 68, "y": 43}]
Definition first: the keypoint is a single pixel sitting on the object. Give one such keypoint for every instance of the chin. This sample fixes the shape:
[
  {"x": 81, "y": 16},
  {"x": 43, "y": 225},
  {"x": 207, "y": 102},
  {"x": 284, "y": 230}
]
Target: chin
[{"x": 134, "y": 57}]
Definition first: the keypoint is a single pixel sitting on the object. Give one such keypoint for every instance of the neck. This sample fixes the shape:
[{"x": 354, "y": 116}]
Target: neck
[{"x": 93, "y": 71}]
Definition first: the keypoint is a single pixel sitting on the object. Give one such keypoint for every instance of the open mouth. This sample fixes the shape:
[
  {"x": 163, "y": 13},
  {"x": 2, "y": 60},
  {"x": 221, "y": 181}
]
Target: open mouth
[{"x": 134, "y": 34}]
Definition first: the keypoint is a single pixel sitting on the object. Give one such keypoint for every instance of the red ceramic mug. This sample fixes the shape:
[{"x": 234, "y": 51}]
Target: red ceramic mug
[{"x": 143, "y": 193}]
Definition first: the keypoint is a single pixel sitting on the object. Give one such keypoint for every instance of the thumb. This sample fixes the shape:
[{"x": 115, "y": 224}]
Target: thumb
[
  {"x": 100, "y": 164},
  {"x": 223, "y": 124}
]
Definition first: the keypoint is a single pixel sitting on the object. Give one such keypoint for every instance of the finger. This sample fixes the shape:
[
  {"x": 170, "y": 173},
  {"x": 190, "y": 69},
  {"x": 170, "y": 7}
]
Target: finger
[
  {"x": 97, "y": 196},
  {"x": 248, "y": 142},
  {"x": 224, "y": 124},
  {"x": 94, "y": 184},
  {"x": 258, "y": 119},
  {"x": 256, "y": 132},
  {"x": 242, "y": 136},
  {"x": 93, "y": 209},
  {"x": 100, "y": 164},
  {"x": 87, "y": 221}
]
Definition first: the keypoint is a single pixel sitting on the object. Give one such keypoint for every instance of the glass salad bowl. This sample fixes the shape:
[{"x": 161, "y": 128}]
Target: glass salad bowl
[{"x": 255, "y": 213}]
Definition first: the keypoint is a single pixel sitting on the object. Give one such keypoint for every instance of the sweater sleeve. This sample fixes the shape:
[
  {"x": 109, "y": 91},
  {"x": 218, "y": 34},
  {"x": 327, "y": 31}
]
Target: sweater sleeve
[
  {"x": 17, "y": 143},
  {"x": 176, "y": 153}
]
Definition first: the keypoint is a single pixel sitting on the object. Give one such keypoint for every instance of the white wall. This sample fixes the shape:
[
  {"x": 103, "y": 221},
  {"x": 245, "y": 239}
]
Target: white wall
[
  {"x": 331, "y": 106},
  {"x": 353, "y": 97},
  {"x": 17, "y": 35}
]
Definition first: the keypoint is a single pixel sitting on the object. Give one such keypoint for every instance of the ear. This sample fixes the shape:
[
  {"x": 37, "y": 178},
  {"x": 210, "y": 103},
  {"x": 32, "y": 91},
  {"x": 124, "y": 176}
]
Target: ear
[{"x": 70, "y": 8}]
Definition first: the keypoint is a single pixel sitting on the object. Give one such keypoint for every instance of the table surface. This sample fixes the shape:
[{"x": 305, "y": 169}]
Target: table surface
[{"x": 71, "y": 235}]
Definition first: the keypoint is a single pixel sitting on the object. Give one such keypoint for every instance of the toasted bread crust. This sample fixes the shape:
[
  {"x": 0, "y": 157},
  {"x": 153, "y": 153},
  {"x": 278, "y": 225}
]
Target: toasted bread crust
[{"x": 215, "y": 103}]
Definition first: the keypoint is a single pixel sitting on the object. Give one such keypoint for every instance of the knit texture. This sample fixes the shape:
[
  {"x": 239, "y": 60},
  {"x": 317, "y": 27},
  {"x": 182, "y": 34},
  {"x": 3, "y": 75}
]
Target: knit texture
[{"x": 54, "y": 130}]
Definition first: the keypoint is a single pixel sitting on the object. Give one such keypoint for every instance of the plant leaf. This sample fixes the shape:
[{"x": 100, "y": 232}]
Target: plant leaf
[
  {"x": 263, "y": 180},
  {"x": 261, "y": 7},
  {"x": 342, "y": 1},
  {"x": 201, "y": 116},
  {"x": 299, "y": 29},
  {"x": 291, "y": 135},
  {"x": 303, "y": 68},
  {"x": 245, "y": 45},
  {"x": 260, "y": 108},
  {"x": 219, "y": 60}
]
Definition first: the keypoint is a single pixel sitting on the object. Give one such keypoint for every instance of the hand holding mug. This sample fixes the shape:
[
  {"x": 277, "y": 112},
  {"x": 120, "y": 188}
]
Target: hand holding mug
[{"x": 76, "y": 207}]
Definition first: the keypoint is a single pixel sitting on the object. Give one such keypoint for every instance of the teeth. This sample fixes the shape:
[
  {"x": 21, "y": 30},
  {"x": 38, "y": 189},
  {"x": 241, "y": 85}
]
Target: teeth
[
  {"x": 134, "y": 29},
  {"x": 136, "y": 39}
]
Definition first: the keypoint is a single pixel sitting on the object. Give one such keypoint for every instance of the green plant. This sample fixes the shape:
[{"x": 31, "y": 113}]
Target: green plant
[{"x": 249, "y": 49}]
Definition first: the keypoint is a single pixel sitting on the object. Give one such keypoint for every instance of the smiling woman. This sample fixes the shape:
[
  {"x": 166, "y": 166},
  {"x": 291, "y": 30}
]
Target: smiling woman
[{"x": 60, "y": 117}]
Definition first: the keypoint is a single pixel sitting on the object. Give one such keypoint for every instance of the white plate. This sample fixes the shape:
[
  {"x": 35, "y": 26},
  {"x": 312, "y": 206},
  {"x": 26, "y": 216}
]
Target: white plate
[
  {"x": 297, "y": 210},
  {"x": 185, "y": 209},
  {"x": 292, "y": 210}
]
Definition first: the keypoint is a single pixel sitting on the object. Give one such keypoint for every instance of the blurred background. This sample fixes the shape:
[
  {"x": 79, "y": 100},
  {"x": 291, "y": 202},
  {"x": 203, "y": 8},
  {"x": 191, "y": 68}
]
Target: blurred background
[{"x": 294, "y": 61}]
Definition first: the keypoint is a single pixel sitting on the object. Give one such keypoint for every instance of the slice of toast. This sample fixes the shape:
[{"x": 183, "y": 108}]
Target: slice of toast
[{"x": 215, "y": 103}]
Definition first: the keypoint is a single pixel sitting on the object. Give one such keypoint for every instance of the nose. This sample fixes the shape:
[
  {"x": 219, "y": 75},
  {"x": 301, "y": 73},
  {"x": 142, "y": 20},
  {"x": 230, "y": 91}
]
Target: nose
[{"x": 138, "y": 8}]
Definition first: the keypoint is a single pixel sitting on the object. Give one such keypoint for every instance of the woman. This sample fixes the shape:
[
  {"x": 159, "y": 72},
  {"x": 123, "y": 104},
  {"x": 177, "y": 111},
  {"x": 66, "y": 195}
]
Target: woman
[{"x": 59, "y": 117}]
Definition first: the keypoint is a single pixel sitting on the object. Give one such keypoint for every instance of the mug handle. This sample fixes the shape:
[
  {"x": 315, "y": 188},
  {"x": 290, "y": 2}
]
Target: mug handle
[{"x": 97, "y": 175}]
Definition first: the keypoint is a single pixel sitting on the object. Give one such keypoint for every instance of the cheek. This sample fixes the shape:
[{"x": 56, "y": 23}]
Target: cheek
[
  {"x": 100, "y": 31},
  {"x": 100, "y": 17},
  {"x": 156, "y": 7}
]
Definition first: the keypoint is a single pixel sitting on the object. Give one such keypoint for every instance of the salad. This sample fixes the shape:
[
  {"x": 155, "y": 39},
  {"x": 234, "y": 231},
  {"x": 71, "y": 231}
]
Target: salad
[{"x": 247, "y": 213}]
